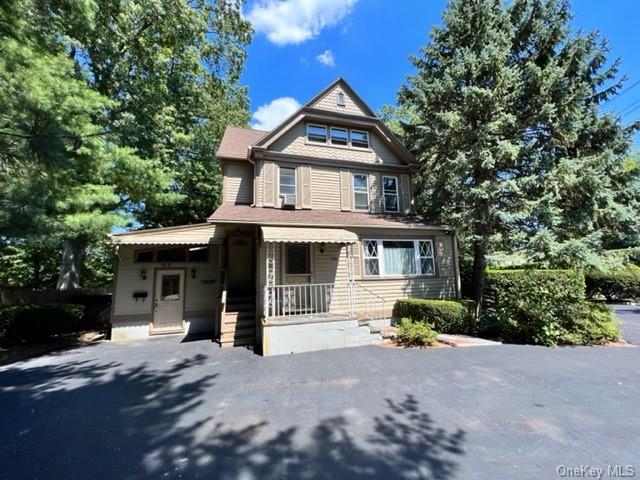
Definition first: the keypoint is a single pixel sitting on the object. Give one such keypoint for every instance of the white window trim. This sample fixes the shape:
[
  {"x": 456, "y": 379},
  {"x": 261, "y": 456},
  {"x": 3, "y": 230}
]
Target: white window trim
[
  {"x": 345, "y": 130},
  {"x": 341, "y": 96},
  {"x": 313, "y": 142},
  {"x": 353, "y": 199},
  {"x": 368, "y": 147},
  {"x": 397, "y": 194},
  {"x": 295, "y": 182},
  {"x": 416, "y": 252}
]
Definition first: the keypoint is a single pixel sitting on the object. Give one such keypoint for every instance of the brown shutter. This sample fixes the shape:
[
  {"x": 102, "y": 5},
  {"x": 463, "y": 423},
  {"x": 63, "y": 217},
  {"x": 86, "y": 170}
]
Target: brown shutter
[
  {"x": 269, "y": 192},
  {"x": 405, "y": 193},
  {"x": 306, "y": 186},
  {"x": 345, "y": 190}
]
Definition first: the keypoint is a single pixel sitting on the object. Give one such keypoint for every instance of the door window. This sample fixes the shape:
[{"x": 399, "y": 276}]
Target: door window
[
  {"x": 298, "y": 259},
  {"x": 170, "y": 289}
]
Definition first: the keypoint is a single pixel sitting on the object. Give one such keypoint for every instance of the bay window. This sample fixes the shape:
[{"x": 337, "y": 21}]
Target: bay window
[{"x": 398, "y": 258}]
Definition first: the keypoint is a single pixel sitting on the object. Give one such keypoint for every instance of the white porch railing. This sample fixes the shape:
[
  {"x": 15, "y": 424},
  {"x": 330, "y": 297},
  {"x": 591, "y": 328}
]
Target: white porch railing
[
  {"x": 298, "y": 299},
  {"x": 315, "y": 299}
]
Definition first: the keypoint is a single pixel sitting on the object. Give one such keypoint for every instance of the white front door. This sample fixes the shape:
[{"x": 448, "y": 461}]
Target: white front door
[{"x": 169, "y": 301}]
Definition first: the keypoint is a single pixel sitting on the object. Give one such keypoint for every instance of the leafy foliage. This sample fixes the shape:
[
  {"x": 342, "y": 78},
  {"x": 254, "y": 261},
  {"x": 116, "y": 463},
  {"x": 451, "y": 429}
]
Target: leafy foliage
[
  {"x": 614, "y": 285},
  {"x": 415, "y": 333},
  {"x": 446, "y": 316},
  {"x": 544, "y": 307},
  {"x": 38, "y": 323}
]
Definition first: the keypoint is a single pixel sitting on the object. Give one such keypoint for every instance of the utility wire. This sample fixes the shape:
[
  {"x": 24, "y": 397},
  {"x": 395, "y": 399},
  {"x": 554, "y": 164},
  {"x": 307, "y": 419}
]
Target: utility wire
[
  {"x": 629, "y": 106},
  {"x": 631, "y": 111},
  {"x": 634, "y": 84}
]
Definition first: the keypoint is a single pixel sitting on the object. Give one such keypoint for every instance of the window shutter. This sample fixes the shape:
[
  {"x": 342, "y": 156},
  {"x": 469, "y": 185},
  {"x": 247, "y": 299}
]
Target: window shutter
[
  {"x": 305, "y": 192},
  {"x": 345, "y": 190},
  {"x": 405, "y": 193},
  {"x": 269, "y": 191},
  {"x": 443, "y": 261}
]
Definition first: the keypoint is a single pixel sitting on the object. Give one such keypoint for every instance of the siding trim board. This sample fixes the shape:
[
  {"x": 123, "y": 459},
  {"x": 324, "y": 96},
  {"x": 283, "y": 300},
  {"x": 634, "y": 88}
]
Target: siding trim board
[{"x": 339, "y": 163}]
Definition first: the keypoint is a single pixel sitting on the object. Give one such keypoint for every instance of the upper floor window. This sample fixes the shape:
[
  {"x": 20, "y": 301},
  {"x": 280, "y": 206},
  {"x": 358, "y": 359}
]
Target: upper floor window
[
  {"x": 338, "y": 136},
  {"x": 317, "y": 133},
  {"x": 287, "y": 182},
  {"x": 359, "y": 139},
  {"x": 390, "y": 193},
  {"x": 341, "y": 99},
  {"x": 360, "y": 191}
]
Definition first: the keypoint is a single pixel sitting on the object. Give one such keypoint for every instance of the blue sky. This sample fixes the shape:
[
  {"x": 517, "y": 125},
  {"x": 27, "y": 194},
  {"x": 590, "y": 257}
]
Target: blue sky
[{"x": 300, "y": 46}]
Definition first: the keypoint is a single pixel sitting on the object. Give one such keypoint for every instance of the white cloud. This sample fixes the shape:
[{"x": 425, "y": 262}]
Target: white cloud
[
  {"x": 294, "y": 21},
  {"x": 326, "y": 58},
  {"x": 271, "y": 114}
]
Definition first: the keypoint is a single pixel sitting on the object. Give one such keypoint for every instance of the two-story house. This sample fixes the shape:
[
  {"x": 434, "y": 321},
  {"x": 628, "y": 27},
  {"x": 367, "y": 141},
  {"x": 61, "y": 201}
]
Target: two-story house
[{"x": 315, "y": 240}]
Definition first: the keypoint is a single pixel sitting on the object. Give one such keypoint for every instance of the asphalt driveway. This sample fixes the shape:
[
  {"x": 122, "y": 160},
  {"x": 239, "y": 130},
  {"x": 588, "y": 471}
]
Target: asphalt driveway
[{"x": 164, "y": 409}]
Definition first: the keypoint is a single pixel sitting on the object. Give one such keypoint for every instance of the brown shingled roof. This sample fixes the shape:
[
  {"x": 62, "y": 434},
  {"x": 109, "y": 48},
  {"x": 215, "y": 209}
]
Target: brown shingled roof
[
  {"x": 229, "y": 213},
  {"x": 236, "y": 140}
]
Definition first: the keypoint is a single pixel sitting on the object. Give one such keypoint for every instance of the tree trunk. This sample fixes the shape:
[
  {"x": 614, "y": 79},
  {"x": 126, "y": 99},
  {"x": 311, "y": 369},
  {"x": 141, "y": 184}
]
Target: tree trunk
[
  {"x": 73, "y": 255},
  {"x": 477, "y": 279}
]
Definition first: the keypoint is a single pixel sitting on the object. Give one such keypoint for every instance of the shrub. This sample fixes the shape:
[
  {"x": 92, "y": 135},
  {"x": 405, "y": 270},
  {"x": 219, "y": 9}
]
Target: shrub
[
  {"x": 446, "y": 316},
  {"x": 38, "y": 323},
  {"x": 588, "y": 323},
  {"x": 529, "y": 306},
  {"x": 617, "y": 285},
  {"x": 415, "y": 333}
]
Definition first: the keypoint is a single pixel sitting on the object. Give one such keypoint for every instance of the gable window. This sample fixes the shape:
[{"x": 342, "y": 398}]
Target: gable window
[
  {"x": 390, "y": 193},
  {"x": 359, "y": 139},
  {"x": 341, "y": 99},
  {"x": 398, "y": 258},
  {"x": 360, "y": 192},
  {"x": 317, "y": 133},
  {"x": 338, "y": 136},
  {"x": 288, "y": 182}
]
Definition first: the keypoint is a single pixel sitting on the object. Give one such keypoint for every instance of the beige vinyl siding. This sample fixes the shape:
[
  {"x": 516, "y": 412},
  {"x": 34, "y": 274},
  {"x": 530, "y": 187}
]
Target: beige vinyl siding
[
  {"x": 294, "y": 142},
  {"x": 330, "y": 103},
  {"x": 201, "y": 293},
  {"x": 238, "y": 183},
  {"x": 325, "y": 188},
  {"x": 269, "y": 184}
]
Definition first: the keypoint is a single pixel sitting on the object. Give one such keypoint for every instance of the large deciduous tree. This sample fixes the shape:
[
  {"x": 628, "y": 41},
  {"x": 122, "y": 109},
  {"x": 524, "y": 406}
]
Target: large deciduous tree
[{"x": 514, "y": 147}]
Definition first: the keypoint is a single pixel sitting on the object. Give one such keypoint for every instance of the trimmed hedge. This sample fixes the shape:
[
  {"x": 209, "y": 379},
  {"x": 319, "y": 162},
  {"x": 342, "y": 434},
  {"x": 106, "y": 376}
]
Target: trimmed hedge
[
  {"x": 39, "y": 323},
  {"x": 412, "y": 333},
  {"x": 446, "y": 316},
  {"x": 544, "y": 307},
  {"x": 617, "y": 285}
]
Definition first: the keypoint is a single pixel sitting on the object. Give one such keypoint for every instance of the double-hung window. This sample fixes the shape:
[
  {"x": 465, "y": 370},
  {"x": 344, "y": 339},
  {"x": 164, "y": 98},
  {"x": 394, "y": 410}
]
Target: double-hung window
[
  {"x": 360, "y": 192},
  {"x": 359, "y": 139},
  {"x": 317, "y": 133},
  {"x": 338, "y": 136},
  {"x": 398, "y": 258},
  {"x": 390, "y": 193},
  {"x": 288, "y": 182}
]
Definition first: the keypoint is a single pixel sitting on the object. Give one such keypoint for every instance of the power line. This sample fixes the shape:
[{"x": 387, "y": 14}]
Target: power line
[
  {"x": 631, "y": 111},
  {"x": 629, "y": 106},
  {"x": 634, "y": 84}
]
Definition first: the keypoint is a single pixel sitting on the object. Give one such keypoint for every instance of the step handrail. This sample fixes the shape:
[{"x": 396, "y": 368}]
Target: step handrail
[{"x": 370, "y": 299}]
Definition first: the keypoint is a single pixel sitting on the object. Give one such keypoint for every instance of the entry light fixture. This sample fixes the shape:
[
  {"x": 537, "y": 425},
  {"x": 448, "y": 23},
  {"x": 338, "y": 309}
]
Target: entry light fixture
[
  {"x": 322, "y": 245},
  {"x": 193, "y": 273},
  {"x": 143, "y": 274}
]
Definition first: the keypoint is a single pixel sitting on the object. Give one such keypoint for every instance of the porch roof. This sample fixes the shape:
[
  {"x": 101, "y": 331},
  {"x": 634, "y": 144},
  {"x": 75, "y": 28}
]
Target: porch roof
[
  {"x": 307, "y": 235},
  {"x": 245, "y": 214},
  {"x": 199, "y": 234}
]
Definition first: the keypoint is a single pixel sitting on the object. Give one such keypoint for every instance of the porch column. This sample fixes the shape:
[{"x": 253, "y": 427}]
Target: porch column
[
  {"x": 351, "y": 285},
  {"x": 271, "y": 279}
]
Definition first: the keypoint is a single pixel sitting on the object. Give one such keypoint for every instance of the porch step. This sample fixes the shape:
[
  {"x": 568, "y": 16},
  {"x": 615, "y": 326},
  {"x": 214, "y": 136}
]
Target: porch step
[
  {"x": 233, "y": 332},
  {"x": 237, "y": 316},
  {"x": 238, "y": 342},
  {"x": 234, "y": 306}
]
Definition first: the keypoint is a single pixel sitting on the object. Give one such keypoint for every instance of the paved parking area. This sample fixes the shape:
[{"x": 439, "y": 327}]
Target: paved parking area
[{"x": 164, "y": 409}]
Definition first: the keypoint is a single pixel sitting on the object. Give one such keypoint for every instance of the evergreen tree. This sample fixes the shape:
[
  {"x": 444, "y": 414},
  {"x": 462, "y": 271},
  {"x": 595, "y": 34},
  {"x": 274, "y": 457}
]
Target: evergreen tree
[{"x": 513, "y": 148}]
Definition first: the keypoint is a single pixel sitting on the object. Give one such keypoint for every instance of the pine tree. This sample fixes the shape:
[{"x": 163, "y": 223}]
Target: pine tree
[{"x": 513, "y": 147}]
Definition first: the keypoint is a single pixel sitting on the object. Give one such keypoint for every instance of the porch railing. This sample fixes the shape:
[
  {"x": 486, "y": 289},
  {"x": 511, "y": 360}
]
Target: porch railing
[
  {"x": 299, "y": 299},
  {"x": 368, "y": 304}
]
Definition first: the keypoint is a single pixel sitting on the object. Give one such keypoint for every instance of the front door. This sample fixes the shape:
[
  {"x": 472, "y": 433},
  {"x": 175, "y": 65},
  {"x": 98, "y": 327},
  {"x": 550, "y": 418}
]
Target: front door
[
  {"x": 240, "y": 280},
  {"x": 169, "y": 301},
  {"x": 299, "y": 296}
]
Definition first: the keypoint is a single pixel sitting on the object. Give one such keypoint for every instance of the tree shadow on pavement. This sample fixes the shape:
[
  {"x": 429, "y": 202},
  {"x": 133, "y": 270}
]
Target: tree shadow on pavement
[{"x": 102, "y": 421}]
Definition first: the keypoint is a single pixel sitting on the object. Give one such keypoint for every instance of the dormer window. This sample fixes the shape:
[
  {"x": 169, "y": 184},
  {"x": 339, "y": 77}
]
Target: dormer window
[
  {"x": 317, "y": 133},
  {"x": 359, "y": 139},
  {"x": 340, "y": 99},
  {"x": 339, "y": 136}
]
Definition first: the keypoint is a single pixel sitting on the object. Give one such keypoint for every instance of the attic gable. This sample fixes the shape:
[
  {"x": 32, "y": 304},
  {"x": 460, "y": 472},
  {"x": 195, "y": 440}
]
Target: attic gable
[{"x": 340, "y": 98}]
